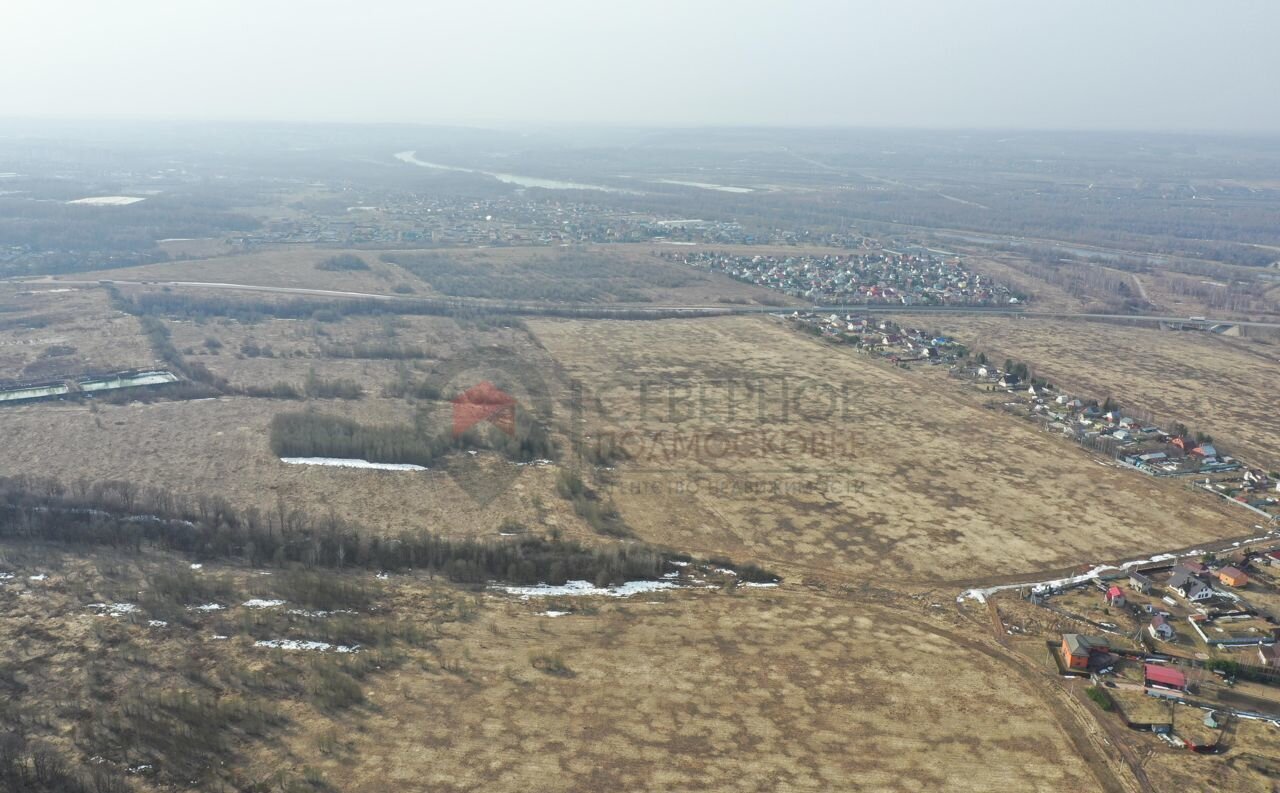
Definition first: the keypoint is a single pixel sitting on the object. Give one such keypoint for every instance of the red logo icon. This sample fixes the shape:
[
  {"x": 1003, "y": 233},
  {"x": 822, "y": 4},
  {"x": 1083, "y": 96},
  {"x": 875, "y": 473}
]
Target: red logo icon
[{"x": 484, "y": 402}]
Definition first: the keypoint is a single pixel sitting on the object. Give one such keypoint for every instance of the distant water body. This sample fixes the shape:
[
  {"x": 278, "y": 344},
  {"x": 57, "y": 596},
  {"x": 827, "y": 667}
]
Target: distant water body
[{"x": 510, "y": 178}]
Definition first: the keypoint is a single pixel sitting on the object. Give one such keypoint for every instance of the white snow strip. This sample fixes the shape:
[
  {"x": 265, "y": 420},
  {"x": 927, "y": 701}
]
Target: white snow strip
[
  {"x": 760, "y": 584},
  {"x": 114, "y": 609},
  {"x": 299, "y": 644},
  {"x": 158, "y": 623},
  {"x": 207, "y": 607},
  {"x": 6, "y": 576},
  {"x": 981, "y": 595},
  {"x": 583, "y": 588},
  {"x": 723, "y": 188},
  {"x": 108, "y": 200},
  {"x": 262, "y": 604},
  {"x": 196, "y": 566},
  {"x": 555, "y": 613},
  {"x": 342, "y": 462},
  {"x": 41, "y": 577},
  {"x": 677, "y": 564}
]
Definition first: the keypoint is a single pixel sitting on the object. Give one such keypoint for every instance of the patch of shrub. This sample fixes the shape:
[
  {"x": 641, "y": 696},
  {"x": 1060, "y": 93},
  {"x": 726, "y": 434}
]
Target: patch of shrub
[{"x": 342, "y": 262}]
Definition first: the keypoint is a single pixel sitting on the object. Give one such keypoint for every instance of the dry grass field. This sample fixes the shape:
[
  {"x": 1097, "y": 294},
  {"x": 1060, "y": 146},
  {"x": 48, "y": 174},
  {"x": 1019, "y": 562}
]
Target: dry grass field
[
  {"x": 759, "y": 691},
  {"x": 1223, "y": 386},
  {"x": 284, "y": 266},
  {"x": 220, "y": 446},
  {"x": 936, "y": 486},
  {"x": 873, "y": 490},
  {"x": 46, "y": 331},
  {"x": 651, "y": 280}
]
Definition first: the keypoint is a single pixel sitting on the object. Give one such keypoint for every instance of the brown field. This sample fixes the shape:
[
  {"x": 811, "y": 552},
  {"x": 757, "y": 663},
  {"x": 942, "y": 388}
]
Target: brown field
[
  {"x": 937, "y": 487},
  {"x": 860, "y": 672},
  {"x": 757, "y": 691},
  {"x": 1222, "y": 386},
  {"x": 220, "y": 446},
  {"x": 295, "y": 267},
  {"x": 285, "y": 267},
  {"x": 46, "y": 334}
]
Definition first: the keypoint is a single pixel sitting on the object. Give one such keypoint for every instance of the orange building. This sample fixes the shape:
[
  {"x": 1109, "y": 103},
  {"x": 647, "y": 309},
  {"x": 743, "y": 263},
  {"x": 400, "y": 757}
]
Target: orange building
[
  {"x": 1077, "y": 649},
  {"x": 1233, "y": 576}
]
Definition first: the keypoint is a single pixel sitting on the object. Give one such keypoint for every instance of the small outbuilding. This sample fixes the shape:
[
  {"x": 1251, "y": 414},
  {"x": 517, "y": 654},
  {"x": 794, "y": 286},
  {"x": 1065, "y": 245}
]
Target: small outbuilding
[{"x": 1157, "y": 676}]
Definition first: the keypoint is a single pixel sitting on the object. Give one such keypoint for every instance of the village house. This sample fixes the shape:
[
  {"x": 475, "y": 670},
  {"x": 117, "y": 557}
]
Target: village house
[
  {"x": 1186, "y": 584},
  {"x": 1269, "y": 655},
  {"x": 1078, "y": 649},
  {"x": 1009, "y": 380},
  {"x": 1160, "y": 628},
  {"x": 1115, "y": 596},
  {"x": 1206, "y": 452},
  {"x": 1233, "y": 576},
  {"x": 1140, "y": 583}
]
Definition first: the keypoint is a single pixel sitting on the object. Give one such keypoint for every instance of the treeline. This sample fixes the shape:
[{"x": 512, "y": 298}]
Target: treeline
[
  {"x": 342, "y": 262},
  {"x": 388, "y": 351},
  {"x": 309, "y": 434},
  {"x": 124, "y": 516},
  {"x": 602, "y": 516},
  {"x": 305, "y": 434},
  {"x": 497, "y": 314},
  {"x": 33, "y": 768},
  {"x": 161, "y": 341}
]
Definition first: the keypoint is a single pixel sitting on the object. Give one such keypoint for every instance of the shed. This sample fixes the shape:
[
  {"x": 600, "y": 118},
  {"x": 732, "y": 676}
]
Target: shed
[{"x": 1155, "y": 675}]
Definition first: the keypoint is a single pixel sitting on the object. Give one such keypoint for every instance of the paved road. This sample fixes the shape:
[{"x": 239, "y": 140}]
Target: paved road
[{"x": 596, "y": 308}]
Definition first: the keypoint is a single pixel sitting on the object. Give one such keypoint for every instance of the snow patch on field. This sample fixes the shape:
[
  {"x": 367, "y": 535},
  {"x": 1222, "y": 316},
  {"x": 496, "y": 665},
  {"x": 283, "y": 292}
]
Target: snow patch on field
[
  {"x": 40, "y": 577},
  {"x": 583, "y": 588},
  {"x": 342, "y": 462},
  {"x": 299, "y": 644},
  {"x": 108, "y": 201},
  {"x": 114, "y": 609},
  {"x": 760, "y": 584},
  {"x": 256, "y": 603},
  {"x": 554, "y": 613},
  {"x": 318, "y": 614},
  {"x": 207, "y": 607},
  {"x": 158, "y": 623}
]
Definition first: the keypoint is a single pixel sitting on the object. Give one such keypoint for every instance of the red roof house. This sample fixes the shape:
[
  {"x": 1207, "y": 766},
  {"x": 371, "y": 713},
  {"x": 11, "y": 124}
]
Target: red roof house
[
  {"x": 1158, "y": 676},
  {"x": 1115, "y": 596}
]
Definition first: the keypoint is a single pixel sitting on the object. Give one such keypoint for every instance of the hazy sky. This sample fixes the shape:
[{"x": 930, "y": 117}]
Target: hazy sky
[{"x": 1129, "y": 64}]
